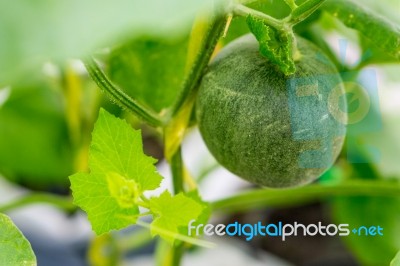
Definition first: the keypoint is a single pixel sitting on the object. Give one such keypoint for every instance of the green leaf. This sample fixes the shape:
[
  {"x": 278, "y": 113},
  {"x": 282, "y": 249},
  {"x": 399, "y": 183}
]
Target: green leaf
[
  {"x": 390, "y": 9},
  {"x": 173, "y": 213},
  {"x": 15, "y": 249},
  {"x": 370, "y": 211},
  {"x": 275, "y": 45},
  {"x": 119, "y": 173},
  {"x": 62, "y": 29},
  {"x": 380, "y": 32},
  {"x": 150, "y": 69},
  {"x": 35, "y": 149},
  {"x": 371, "y": 54},
  {"x": 396, "y": 260},
  {"x": 385, "y": 141},
  {"x": 206, "y": 212}
]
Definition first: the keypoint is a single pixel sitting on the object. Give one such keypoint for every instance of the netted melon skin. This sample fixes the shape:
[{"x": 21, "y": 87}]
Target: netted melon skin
[{"x": 249, "y": 120}]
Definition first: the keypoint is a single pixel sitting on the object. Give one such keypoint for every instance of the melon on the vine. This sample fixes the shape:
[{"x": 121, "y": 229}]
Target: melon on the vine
[{"x": 268, "y": 128}]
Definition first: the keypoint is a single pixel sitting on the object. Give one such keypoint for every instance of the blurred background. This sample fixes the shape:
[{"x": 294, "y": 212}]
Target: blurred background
[{"x": 48, "y": 105}]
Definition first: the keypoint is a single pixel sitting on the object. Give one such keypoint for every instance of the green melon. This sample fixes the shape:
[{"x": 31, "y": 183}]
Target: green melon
[{"x": 270, "y": 129}]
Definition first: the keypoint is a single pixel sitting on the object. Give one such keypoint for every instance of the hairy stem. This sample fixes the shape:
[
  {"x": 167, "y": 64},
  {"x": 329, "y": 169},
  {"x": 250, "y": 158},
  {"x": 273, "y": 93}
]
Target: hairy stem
[
  {"x": 118, "y": 96},
  {"x": 257, "y": 199},
  {"x": 177, "y": 171},
  {"x": 242, "y": 10},
  {"x": 291, "y": 4},
  {"x": 215, "y": 31},
  {"x": 303, "y": 11},
  {"x": 63, "y": 203},
  {"x": 177, "y": 180}
]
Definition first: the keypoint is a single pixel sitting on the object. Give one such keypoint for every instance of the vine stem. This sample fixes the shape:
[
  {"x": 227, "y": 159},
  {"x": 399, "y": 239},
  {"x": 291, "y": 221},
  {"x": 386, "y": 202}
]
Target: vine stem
[
  {"x": 118, "y": 96},
  {"x": 303, "y": 11},
  {"x": 177, "y": 250},
  {"x": 262, "y": 198},
  {"x": 298, "y": 14},
  {"x": 242, "y": 10},
  {"x": 216, "y": 30},
  {"x": 291, "y": 4},
  {"x": 143, "y": 204},
  {"x": 63, "y": 203},
  {"x": 177, "y": 171}
]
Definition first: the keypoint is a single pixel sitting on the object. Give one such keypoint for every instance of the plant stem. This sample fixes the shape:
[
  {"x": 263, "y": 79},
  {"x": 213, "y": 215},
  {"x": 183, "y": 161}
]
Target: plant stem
[
  {"x": 242, "y": 10},
  {"x": 291, "y": 4},
  {"x": 303, "y": 11},
  {"x": 206, "y": 171},
  {"x": 143, "y": 204},
  {"x": 118, "y": 96},
  {"x": 257, "y": 199},
  {"x": 216, "y": 29},
  {"x": 177, "y": 180},
  {"x": 63, "y": 203},
  {"x": 177, "y": 171},
  {"x": 134, "y": 240},
  {"x": 214, "y": 32}
]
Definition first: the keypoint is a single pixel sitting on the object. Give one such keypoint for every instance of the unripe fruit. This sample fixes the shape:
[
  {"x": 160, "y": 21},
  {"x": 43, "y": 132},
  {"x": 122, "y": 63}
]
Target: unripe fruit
[{"x": 270, "y": 129}]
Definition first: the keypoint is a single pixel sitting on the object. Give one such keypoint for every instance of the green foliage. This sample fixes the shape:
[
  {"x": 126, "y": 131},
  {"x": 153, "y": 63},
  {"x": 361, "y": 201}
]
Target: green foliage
[
  {"x": 276, "y": 9},
  {"x": 34, "y": 136},
  {"x": 246, "y": 122},
  {"x": 371, "y": 211},
  {"x": 386, "y": 145},
  {"x": 239, "y": 27},
  {"x": 120, "y": 172},
  {"x": 150, "y": 69},
  {"x": 15, "y": 249},
  {"x": 274, "y": 44},
  {"x": 378, "y": 31},
  {"x": 173, "y": 213}
]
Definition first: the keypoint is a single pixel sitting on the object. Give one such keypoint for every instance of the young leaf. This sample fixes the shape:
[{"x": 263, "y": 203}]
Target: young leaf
[
  {"x": 206, "y": 213},
  {"x": 377, "y": 30},
  {"x": 15, "y": 249},
  {"x": 275, "y": 45},
  {"x": 32, "y": 130},
  {"x": 173, "y": 213},
  {"x": 119, "y": 173}
]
